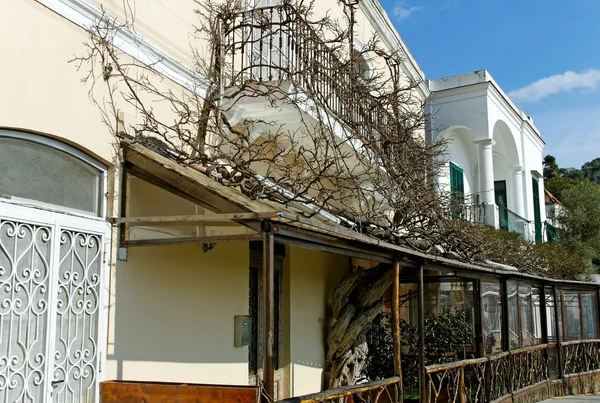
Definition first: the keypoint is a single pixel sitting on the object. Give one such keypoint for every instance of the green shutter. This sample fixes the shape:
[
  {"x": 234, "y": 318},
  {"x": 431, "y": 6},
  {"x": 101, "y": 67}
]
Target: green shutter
[
  {"x": 536, "y": 211},
  {"x": 457, "y": 184},
  {"x": 457, "y": 190}
]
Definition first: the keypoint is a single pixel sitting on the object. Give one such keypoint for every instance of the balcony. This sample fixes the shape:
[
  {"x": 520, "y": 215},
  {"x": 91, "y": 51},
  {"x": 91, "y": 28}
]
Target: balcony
[
  {"x": 510, "y": 221},
  {"x": 464, "y": 211},
  {"x": 476, "y": 213},
  {"x": 276, "y": 52}
]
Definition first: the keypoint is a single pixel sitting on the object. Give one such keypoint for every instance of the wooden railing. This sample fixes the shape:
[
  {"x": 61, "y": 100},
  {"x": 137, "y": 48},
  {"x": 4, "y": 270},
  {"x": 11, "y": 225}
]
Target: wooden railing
[
  {"x": 452, "y": 382},
  {"x": 489, "y": 378},
  {"x": 386, "y": 390},
  {"x": 580, "y": 356}
]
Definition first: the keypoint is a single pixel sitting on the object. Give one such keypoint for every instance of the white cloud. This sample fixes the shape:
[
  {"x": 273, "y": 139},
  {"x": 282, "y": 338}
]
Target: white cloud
[
  {"x": 402, "y": 11},
  {"x": 555, "y": 84}
]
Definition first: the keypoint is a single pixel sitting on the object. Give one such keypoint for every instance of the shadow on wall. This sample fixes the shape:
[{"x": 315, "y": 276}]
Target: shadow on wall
[
  {"x": 173, "y": 314},
  {"x": 313, "y": 277}
]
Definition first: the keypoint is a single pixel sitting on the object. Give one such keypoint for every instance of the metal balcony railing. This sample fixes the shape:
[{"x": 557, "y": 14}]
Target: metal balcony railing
[
  {"x": 275, "y": 45},
  {"x": 510, "y": 221},
  {"x": 469, "y": 212}
]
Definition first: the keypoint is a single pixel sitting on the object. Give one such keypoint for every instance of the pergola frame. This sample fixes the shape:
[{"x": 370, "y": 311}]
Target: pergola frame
[{"x": 272, "y": 223}]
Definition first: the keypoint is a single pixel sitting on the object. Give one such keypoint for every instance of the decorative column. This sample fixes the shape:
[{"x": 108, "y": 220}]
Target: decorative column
[
  {"x": 486, "y": 180},
  {"x": 519, "y": 206}
]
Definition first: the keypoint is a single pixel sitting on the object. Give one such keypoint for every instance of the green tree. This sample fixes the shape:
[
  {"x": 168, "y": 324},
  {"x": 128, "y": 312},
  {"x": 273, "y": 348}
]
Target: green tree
[
  {"x": 551, "y": 169},
  {"x": 557, "y": 184},
  {"x": 558, "y": 179},
  {"x": 581, "y": 219},
  {"x": 572, "y": 173},
  {"x": 591, "y": 170}
]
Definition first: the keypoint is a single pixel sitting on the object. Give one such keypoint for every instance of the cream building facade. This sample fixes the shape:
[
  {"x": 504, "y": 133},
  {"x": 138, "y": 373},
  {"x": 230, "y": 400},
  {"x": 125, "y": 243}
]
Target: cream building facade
[
  {"x": 158, "y": 314},
  {"x": 78, "y": 307}
]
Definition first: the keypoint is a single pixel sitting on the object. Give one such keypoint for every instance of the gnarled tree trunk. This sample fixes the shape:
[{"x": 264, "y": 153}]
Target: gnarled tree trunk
[{"x": 357, "y": 300}]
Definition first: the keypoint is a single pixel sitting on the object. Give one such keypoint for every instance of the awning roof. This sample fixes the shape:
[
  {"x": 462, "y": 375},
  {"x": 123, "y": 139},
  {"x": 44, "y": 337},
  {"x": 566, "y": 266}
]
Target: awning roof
[
  {"x": 188, "y": 182},
  {"x": 291, "y": 226}
]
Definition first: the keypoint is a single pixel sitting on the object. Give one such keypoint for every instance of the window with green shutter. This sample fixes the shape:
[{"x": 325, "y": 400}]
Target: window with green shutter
[
  {"x": 457, "y": 185},
  {"x": 457, "y": 189}
]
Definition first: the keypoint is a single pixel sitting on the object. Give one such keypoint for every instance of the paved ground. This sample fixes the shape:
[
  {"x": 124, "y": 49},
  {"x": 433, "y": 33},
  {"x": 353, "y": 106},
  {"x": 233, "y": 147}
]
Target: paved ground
[{"x": 575, "y": 399}]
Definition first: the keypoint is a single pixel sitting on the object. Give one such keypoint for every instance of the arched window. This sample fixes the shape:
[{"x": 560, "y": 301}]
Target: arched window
[{"x": 36, "y": 168}]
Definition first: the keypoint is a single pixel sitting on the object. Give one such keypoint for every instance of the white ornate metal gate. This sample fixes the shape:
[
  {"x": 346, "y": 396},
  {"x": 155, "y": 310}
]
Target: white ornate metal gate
[{"x": 52, "y": 308}]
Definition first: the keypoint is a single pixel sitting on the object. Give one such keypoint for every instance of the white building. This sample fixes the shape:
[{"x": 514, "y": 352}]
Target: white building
[{"x": 495, "y": 151}]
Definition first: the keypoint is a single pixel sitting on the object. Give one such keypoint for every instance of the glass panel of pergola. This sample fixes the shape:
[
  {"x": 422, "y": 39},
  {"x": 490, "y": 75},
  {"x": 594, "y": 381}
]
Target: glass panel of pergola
[
  {"x": 450, "y": 317},
  {"x": 524, "y": 315},
  {"x": 450, "y": 310},
  {"x": 590, "y": 315},
  {"x": 579, "y": 315},
  {"x": 551, "y": 325},
  {"x": 491, "y": 308}
]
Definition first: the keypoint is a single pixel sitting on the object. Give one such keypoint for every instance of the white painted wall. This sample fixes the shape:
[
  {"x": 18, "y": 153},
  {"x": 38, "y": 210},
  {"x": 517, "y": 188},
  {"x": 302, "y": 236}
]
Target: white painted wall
[
  {"x": 172, "y": 315},
  {"x": 461, "y": 151},
  {"x": 313, "y": 276},
  {"x": 41, "y": 92},
  {"x": 475, "y": 103},
  {"x": 172, "y": 307}
]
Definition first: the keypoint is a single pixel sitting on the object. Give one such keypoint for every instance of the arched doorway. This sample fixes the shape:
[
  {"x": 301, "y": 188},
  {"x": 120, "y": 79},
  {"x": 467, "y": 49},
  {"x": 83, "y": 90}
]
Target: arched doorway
[
  {"x": 508, "y": 184},
  {"x": 53, "y": 269}
]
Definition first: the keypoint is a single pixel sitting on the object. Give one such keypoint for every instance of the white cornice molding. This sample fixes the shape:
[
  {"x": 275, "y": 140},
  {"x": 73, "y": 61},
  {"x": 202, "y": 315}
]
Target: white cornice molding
[
  {"x": 458, "y": 94},
  {"x": 495, "y": 94},
  {"x": 379, "y": 19},
  {"x": 83, "y": 14}
]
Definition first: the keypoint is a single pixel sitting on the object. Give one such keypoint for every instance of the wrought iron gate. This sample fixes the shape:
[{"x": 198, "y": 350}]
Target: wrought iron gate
[{"x": 51, "y": 305}]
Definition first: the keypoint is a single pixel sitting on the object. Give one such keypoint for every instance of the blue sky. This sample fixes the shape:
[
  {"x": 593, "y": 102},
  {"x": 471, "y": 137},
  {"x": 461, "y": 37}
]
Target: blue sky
[{"x": 544, "y": 53}]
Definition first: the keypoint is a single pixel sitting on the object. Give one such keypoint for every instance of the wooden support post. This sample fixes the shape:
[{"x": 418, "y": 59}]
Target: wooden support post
[
  {"x": 479, "y": 339},
  {"x": 488, "y": 381},
  {"x": 544, "y": 314},
  {"x": 597, "y": 312},
  {"x": 544, "y": 320},
  {"x": 396, "y": 328},
  {"x": 124, "y": 208},
  {"x": 558, "y": 332},
  {"x": 461, "y": 386},
  {"x": 505, "y": 322},
  {"x": 421, "y": 313},
  {"x": 581, "y": 332},
  {"x": 519, "y": 327},
  {"x": 563, "y": 312},
  {"x": 269, "y": 314}
]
